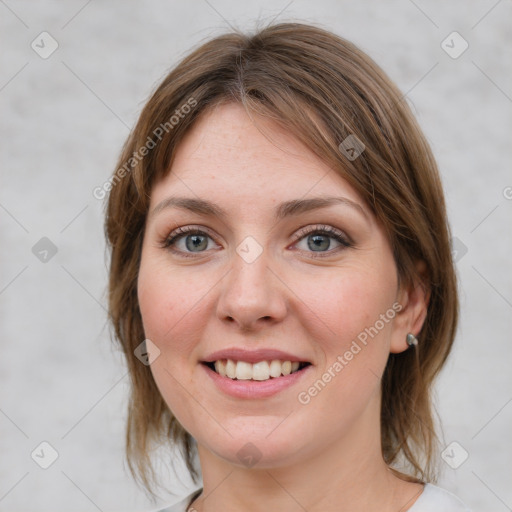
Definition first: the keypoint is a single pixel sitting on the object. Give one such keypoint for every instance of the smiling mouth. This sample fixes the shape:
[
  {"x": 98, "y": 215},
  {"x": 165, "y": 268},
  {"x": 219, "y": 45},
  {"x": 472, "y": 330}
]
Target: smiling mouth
[{"x": 260, "y": 371}]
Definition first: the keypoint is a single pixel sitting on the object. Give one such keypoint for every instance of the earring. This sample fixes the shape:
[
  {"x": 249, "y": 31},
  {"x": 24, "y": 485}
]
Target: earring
[{"x": 411, "y": 340}]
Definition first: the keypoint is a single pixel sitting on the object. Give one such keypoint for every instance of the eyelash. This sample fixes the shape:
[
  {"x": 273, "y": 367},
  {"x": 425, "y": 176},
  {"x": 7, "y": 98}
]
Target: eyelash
[{"x": 302, "y": 233}]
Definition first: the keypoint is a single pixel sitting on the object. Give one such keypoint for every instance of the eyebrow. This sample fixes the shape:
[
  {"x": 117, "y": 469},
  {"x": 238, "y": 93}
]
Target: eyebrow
[{"x": 282, "y": 211}]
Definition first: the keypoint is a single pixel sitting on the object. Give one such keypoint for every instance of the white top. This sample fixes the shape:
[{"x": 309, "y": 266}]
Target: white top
[{"x": 432, "y": 499}]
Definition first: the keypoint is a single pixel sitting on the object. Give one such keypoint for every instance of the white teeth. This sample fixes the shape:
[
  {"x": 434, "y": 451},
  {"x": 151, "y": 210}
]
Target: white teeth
[
  {"x": 230, "y": 369},
  {"x": 263, "y": 370},
  {"x": 220, "y": 367},
  {"x": 243, "y": 370},
  {"x": 275, "y": 368}
]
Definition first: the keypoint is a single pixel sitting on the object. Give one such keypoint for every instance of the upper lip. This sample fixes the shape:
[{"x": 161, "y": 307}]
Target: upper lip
[{"x": 252, "y": 356}]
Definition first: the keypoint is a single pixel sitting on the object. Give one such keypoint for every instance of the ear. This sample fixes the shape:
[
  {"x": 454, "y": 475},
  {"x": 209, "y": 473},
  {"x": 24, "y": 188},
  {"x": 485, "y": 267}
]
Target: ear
[{"x": 414, "y": 300}]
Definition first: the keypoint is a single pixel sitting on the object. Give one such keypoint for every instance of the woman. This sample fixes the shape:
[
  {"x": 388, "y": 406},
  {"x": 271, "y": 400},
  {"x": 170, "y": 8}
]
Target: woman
[{"x": 281, "y": 279}]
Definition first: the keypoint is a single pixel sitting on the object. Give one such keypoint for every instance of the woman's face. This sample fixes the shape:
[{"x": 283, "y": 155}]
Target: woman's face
[{"x": 241, "y": 265}]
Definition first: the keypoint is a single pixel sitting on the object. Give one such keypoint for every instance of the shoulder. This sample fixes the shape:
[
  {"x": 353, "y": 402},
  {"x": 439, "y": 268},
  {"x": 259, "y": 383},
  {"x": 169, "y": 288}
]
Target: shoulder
[
  {"x": 436, "y": 499},
  {"x": 183, "y": 504}
]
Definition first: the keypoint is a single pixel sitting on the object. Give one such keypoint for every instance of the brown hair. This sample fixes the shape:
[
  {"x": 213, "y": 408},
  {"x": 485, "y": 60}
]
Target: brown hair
[{"x": 322, "y": 88}]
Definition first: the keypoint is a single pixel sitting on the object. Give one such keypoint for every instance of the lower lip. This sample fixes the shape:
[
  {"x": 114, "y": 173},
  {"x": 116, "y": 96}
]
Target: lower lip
[{"x": 255, "y": 388}]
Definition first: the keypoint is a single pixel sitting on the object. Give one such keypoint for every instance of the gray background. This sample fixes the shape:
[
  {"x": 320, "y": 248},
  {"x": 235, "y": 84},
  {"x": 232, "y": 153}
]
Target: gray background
[{"x": 64, "y": 119}]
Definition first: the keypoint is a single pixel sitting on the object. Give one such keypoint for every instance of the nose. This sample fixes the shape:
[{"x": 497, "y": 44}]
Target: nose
[{"x": 253, "y": 296}]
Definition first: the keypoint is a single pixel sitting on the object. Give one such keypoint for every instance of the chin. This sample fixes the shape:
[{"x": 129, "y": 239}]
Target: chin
[{"x": 250, "y": 450}]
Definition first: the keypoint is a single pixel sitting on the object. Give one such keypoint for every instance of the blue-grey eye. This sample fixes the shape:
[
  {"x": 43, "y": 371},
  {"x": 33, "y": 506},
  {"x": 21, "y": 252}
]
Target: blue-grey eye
[
  {"x": 188, "y": 240},
  {"x": 320, "y": 242},
  {"x": 193, "y": 242}
]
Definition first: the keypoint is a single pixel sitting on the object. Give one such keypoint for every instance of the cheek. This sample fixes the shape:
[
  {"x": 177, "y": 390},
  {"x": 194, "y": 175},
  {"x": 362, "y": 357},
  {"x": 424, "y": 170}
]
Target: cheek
[
  {"x": 353, "y": 341},
  {"x": 170, "y": 305},
  {"x": 347, "y": 304}
]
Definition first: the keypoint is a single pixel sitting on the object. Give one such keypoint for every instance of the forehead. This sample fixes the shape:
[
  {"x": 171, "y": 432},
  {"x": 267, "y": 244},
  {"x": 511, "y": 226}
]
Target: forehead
[{"x": 230, "y": 157}]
